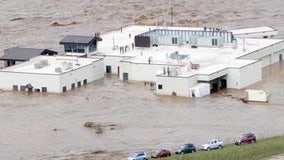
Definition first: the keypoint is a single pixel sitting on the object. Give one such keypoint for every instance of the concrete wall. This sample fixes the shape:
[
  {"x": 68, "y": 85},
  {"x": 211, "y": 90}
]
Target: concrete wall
[
  {"x": 141, "y": 71},
  {"x": 91, "y": 73},
  {"x": 112, "y": 61},
  {"x": 179, "y": 85},
  {"x": 242, "y": 77},
  {"x": 54, "y": 83},
  {"x": 8, "y": 79}
]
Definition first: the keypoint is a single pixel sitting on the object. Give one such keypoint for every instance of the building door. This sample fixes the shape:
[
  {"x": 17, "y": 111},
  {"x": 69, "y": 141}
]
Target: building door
[
  {"x": 223, "y": 84},
  {"x": 280, "y": 57},
  {"x": 108, "y": 69},
  {"x": 125, "y": 76},
  {"x": 118, "y": 71},
  {"x": 64, "y": 89}
]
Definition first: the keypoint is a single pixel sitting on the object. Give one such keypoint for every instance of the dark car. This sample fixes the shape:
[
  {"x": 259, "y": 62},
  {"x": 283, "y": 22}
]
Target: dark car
[
  {"x": 246, "y": 139},
  {"x": 186, "y": 148},
  {"x": 161, "y": 153}
]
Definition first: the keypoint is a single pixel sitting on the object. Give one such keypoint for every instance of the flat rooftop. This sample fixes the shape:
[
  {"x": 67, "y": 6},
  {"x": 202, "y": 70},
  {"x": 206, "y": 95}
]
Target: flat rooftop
[
  {"x": 208, "y": 58},
  {"x": 50, "y": 65},
  {"x": 254, "y": 30}
]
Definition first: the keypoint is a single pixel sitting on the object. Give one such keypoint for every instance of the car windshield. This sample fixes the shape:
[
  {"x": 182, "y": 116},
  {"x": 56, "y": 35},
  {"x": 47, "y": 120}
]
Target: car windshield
[
  {"x": 158, "y": 151},
  {"x": 184, "y": 146},
  {"x": 133, "y": 155}
]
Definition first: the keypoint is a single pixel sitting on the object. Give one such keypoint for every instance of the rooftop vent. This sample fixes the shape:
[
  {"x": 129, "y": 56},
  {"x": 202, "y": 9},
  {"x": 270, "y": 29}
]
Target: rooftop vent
[
  {"x": 38, "y": 65},
  {"x": 58, "y": 70}
]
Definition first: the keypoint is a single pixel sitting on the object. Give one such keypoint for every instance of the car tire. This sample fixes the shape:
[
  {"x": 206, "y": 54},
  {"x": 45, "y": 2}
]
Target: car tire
[
  {"x": 208, "y": 149},
  {"x": 220, "y": 147}
]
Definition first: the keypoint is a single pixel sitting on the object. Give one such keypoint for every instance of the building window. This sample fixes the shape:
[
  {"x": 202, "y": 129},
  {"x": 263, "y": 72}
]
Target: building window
[
  {"x": 64, "y": 89},
  {"x": 37, "y": 90},
  {"x": 73, "y": 86},
  {"x": 85, "y": 81},
  {"x": 23, "y": 88},
  {"x": 44, "y": 89},
  {"x": 160, "y": 86},
  {"x": 79, "y": 84},
  {"x": 75, "y": 48},
  {"x": 174, "y": 40},
  {"x": 15, "y": 88},
  {"x": 214, "y": 42},
  {"x": 68, "y": 48}
]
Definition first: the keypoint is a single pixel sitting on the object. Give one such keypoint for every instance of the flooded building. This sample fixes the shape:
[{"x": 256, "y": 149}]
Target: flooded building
[
  {"x": 54, "y": 74},
  {"x": 190, "y": 62}
]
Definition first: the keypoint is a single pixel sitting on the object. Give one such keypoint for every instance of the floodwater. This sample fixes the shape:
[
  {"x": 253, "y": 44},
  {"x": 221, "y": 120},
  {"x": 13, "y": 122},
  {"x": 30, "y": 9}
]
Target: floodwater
[{"x": 51, "y": 126}]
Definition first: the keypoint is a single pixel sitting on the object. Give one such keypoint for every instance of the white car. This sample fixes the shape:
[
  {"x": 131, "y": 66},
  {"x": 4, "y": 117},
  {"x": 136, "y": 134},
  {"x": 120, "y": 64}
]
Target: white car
[
  {"x": 213, "y": 144},
  {"x": 138, "y": 156}
]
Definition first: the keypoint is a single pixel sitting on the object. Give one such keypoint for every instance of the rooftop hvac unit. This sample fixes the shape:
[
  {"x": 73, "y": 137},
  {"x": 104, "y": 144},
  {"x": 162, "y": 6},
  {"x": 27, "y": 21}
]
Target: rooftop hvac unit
[
  {"x": 69, "y": 66},
  {"x": 58, "y": 70},
  {"x": 44, "y": 62},
  {"x": 38, "y": 65}
]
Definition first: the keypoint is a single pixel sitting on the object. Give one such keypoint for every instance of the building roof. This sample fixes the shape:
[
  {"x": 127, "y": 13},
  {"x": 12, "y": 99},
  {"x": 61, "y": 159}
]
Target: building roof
[
  {"x": 51, "y": 65},
  {"x": 24, "y": 54},
  {"x": 79, "y": 39}
]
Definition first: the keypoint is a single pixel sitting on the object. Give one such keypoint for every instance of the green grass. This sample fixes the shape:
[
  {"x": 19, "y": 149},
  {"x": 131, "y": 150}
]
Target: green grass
[{"x": 264, "y": 148}]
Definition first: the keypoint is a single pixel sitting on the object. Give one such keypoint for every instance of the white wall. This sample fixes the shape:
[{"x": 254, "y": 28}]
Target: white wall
[
  {"x": 8, "y": 79},
  {"x": 141, "y": 72},
  {"x": 91, "y": 72},
  {"x": 54, "y": 83},
  {"x": 179, "y": 85},
  {"x": 112, "y": 61},
  {"x": 242, "y": 77}
]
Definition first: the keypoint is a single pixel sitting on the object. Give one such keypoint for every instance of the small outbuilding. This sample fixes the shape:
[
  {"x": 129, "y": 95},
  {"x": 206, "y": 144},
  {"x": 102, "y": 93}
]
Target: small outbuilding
[{"x": 81, "y": 46}]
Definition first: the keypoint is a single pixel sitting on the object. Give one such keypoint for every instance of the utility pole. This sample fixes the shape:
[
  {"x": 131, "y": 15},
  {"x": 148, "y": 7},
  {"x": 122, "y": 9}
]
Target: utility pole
[{"x": 172, "y": 16}]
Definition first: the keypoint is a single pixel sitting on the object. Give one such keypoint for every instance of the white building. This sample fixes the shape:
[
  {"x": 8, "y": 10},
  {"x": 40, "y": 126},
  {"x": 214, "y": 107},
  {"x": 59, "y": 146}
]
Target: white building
[
  {"x": 51, "y": 74},
  {"x": 188, "y": 62}
]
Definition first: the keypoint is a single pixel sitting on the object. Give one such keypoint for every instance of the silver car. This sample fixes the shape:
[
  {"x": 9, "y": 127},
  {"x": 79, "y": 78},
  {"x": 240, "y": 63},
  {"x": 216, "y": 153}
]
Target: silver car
[{"x": 138, "y": 156}]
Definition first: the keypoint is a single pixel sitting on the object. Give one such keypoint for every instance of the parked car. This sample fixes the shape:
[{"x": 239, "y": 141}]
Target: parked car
[
  {"x": 138, "y": 156},
  {"x": 213, "y": 144},
  {"x": 186, "y": 148},
  {"x": 161, "y": 153},
  {"x": 246, "y": 139}
]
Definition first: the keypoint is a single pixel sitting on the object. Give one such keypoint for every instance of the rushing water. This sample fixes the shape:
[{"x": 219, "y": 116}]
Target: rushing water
[{"x": 47, "y": 126}]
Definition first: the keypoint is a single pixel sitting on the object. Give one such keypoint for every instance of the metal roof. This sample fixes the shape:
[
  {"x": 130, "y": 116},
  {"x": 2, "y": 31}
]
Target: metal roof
[
  {"x": 23, "y": 54},
  {"x": 79, "y": 39}
]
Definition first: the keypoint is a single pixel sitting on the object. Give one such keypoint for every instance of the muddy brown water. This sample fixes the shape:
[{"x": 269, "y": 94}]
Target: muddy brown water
[
  {"x": 45, "y": 126},
  {"x": 50, "y": 126}
]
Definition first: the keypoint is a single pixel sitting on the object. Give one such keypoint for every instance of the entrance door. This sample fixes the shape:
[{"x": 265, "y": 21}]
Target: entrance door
[
  {"x": 108, "y": 69},
  {"x": 280, "y": 57},
  {"x": 223, "y": 84},
  {"x": 118, "y": 71},
  {"x": 125, "y": 76}
]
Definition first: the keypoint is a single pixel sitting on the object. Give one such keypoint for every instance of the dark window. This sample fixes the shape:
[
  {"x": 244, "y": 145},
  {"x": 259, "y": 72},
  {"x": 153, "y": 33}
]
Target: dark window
[
  {"x": 79, "y": 84},
  {"x": 174, "y": 40},
  {"x": 44, "y": 89},
  {"x": 85, "y": 81},
  {"x": 64, "y": 89},
  {"x": 108, "y": 69},
  {"x": 15, "y": 88},
  {"x": 160, "y": 86},
  {"x": 214, "y": 42},
  {"x": 68, "y": 48},
  {"x": 23, "y": 88},
  {"x": 73, "y": 86}
]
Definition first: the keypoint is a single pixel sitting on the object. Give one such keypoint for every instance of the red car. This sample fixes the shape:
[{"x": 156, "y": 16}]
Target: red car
[
  {"x": 246, "y": 139},
  {"x": 161, "y": 153}
]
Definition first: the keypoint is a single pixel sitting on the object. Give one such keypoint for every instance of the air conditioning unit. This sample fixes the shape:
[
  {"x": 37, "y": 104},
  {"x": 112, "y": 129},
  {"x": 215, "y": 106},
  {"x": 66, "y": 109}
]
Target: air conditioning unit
[{"x": 58, "y": 70}]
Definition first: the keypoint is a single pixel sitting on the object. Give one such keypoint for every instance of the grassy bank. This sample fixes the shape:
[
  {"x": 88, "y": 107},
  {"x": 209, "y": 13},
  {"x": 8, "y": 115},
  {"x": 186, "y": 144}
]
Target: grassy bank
[{"x": 264, "y": 148}]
